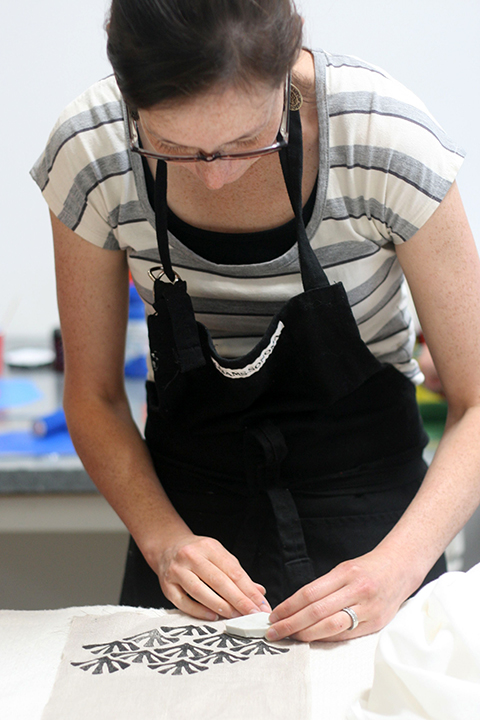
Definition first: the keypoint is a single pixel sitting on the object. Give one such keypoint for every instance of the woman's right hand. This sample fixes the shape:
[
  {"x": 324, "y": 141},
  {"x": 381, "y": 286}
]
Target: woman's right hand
[{"x": 201, "y": 578}]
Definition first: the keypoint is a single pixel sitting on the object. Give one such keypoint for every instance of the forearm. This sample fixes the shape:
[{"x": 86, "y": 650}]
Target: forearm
[
  {"x": 116, "y": 458},
  {"x": 449, "y": 495}
]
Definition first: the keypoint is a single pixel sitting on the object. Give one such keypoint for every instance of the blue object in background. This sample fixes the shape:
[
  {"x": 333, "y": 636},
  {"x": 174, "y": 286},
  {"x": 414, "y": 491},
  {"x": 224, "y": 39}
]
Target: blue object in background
[
  {"x": 49, "y": 435},
  {"x": 136, "y": 367},
  {"x": 49, "y": 424},
  {"x": 26, "y": 443},
  {"x": 136, "y": 347},
  {"x": 17, "y": 392}
]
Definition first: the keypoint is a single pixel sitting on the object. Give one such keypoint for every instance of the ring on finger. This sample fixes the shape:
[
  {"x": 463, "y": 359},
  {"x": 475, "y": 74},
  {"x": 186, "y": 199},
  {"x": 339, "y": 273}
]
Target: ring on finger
[{"x": 353, "y": 616}]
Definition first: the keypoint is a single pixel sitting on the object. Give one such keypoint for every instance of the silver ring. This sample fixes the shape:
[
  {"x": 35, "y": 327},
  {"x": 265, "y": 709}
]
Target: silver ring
[{"x": 353, "y": 616}]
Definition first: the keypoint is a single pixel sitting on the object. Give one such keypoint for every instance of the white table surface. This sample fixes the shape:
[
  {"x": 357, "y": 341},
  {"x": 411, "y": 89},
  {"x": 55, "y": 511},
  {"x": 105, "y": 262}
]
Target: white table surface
[{"x": 31, "y": 645}]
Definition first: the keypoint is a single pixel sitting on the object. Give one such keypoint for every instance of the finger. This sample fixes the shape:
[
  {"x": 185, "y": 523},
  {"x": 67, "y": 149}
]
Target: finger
[
  {"x": 186, "y": 604},
  {"x": 234, "y": 584},
  {"x": 237, "y": 594},
  {"x": 244, "y": 594},
  {"x": 209, "y": 587},
  {"x": 265, "y": 605},
  {"x": 314, "y": 592},
  {"x": 212, "y": 575},
  {"x": 336, "y": 627},
  {"x": 311, "y": 613}
]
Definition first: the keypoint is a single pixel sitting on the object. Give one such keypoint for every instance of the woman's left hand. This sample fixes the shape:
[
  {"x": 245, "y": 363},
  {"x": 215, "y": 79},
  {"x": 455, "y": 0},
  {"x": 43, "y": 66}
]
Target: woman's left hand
[{"x": 371, "y": 585}]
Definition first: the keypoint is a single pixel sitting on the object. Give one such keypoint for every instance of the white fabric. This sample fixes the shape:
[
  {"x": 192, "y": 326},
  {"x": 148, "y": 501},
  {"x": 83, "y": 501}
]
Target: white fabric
[
  {"x": 427, "y": 665},
  {"x": 31, "y": 646}
]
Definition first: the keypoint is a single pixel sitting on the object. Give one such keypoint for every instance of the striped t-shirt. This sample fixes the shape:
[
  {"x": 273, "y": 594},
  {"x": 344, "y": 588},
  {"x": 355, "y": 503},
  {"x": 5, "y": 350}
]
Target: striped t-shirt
[{"x": 384, "y": 167}]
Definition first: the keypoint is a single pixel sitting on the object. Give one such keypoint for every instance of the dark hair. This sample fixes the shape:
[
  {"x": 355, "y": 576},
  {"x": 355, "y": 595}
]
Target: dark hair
[{"x": 168, "y": 50}]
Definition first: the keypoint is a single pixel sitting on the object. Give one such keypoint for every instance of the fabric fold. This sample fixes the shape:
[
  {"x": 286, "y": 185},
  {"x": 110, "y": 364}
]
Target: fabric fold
[{"x": 427, "y": 665}]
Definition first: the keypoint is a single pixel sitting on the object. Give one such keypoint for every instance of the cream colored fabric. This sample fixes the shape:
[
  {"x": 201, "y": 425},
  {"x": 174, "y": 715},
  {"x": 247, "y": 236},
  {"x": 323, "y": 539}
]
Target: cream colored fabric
[
  {"x": 126, "y": 666},
  {"x": 32, "y": 644},
  {"x": 427, "y": 665}
]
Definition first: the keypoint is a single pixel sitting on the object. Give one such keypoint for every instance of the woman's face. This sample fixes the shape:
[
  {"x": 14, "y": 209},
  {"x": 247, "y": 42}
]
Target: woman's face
[{"x": 227, "y": 121}]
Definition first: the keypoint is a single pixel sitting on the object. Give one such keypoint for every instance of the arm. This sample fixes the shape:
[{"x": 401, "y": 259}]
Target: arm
[
  {"x": 92, "y": 286},
  {"x": 425, "y": 361},
  {"x": 443, "y": 270}
]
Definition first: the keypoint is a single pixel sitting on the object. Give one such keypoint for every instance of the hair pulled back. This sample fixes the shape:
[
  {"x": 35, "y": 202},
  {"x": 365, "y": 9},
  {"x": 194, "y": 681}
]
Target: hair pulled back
[{"x": 168, "y": 50}]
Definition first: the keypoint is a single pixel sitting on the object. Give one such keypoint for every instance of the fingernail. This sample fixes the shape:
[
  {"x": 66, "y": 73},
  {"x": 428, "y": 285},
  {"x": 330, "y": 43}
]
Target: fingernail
[
  {"x": 271, "y": 634},
  {"x": 273, "y": 618},
  {"x": 255, "y": 610},
  {"x": 212, "y": 616},
  {"x": 266, "y": 605}
]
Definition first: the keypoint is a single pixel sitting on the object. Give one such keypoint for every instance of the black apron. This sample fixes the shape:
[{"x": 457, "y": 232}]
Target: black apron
[{"x": 301, "y": 454}]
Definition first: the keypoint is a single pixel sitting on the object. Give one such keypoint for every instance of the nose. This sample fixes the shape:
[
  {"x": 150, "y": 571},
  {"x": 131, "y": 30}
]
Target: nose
[{"x": 214, "y": 174}]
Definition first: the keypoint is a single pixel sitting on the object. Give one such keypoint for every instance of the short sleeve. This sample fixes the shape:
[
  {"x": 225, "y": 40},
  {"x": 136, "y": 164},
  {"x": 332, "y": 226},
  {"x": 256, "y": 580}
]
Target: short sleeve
[
  {"x": 390, "y": 160},
  {"x": 83, "y": 171}
]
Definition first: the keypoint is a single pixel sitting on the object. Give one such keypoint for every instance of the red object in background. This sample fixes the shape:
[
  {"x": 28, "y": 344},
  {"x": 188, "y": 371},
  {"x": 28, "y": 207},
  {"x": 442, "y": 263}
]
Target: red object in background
[{"x": 58, "y": 363}]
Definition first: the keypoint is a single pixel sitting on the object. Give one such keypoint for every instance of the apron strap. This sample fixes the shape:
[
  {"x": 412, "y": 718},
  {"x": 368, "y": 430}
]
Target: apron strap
[
  {"x": 173, "y": 300},
  {"x": 173, "y": 297},
  {"x": 298, "y": 566},
  {"x": 265, "y": 449},
  {"x": 161, "y": 222},
  {"x": 291, "y": 160}
]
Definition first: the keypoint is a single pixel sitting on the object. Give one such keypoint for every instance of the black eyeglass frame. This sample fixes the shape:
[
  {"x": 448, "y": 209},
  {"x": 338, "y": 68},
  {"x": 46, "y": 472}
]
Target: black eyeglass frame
[{"x": 281, "y": 141}]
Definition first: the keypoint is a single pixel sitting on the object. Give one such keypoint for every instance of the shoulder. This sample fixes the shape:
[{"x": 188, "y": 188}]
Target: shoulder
[
  {"x": 82, "y": 170},
  {"x": 100, "y": 102},
  {"x": 382, "y": 111},
  {"x": 384, "y": 146},
  {"x": 346, "y": 74},
  {"x": 89, "y": 128}
]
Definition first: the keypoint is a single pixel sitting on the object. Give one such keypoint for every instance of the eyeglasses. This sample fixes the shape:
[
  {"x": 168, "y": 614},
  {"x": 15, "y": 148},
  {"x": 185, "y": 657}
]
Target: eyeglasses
[{"x": 280, "y": 142}]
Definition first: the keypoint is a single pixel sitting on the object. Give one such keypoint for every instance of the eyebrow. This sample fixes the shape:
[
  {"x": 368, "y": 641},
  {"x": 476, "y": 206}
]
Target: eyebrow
[{"x": 250, "y": 134}]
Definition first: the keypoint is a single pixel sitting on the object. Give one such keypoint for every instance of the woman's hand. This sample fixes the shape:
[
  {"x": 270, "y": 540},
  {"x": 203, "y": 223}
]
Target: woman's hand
[
  {"x": 370, "y": 585},
  {"x": 204, "y": 580}
]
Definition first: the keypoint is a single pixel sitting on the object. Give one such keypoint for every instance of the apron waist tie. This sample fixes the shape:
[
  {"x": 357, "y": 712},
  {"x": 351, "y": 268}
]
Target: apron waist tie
[
  {"x": 264, "y": 451},
  {"x": 298, "y": 566}
]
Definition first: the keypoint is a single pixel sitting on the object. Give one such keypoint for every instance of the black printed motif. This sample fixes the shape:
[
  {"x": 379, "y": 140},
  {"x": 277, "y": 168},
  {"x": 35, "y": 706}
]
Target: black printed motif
[{"x": 183, "y": 650}]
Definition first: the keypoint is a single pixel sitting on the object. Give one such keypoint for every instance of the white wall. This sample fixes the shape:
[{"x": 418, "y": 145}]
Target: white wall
[
  {"x": 51, "y": 50},
  {"x": 432, "y": 46}
]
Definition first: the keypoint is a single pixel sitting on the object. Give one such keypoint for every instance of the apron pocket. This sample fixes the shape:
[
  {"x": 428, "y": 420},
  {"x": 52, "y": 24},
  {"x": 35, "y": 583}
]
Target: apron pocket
[
  {"x": 344, "y": 527},
  {"x": 332, "y": 540}
]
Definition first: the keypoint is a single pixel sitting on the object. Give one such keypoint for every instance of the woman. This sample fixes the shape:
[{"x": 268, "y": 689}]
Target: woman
[{"x": 287, "y": 450}]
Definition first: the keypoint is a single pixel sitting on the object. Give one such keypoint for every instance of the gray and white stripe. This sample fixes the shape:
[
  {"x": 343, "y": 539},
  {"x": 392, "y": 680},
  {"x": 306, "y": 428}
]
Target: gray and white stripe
[{"x": 385, "y": 165}]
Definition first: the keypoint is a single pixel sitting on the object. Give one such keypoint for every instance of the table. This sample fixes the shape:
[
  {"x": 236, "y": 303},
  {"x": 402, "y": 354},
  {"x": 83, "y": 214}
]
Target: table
[
  {"x": 60, "y": 542},
  {"x": 31, "y": 646}
]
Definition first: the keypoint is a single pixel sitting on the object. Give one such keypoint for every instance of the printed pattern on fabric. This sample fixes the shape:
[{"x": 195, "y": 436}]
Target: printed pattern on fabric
[
  {"x": 183, "y": 650},
  {"x": 128, "y": 665},
  {"x": 385, "y": 165}
]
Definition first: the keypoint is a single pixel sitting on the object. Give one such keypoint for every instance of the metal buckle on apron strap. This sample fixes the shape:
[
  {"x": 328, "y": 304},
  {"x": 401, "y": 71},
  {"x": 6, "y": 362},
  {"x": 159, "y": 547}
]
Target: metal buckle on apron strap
[{"x": 161, "y": 274}]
